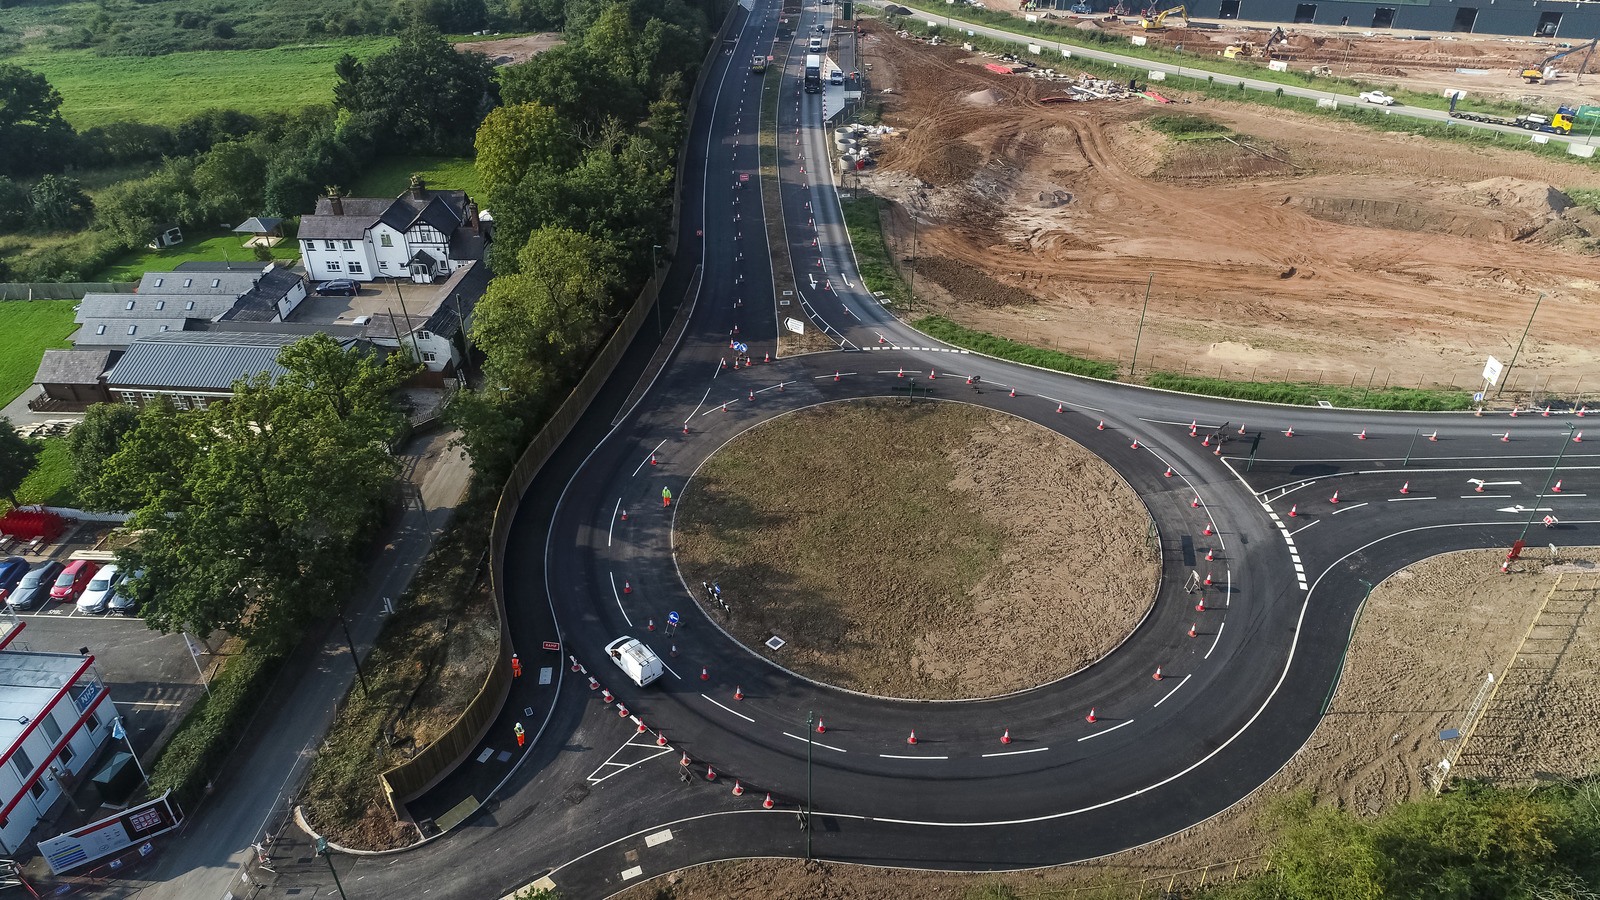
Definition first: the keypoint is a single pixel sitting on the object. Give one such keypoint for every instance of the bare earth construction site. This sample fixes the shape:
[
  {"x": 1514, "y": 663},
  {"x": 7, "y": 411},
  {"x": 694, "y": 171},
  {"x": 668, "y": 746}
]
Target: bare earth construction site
[{"x": 1293, "y": 248}]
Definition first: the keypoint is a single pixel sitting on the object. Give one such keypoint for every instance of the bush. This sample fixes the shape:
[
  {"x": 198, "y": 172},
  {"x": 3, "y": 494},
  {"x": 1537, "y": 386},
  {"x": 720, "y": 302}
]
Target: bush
[
  {"x": 194, "y": 756},
  {"x": 1307, "y": 394}
]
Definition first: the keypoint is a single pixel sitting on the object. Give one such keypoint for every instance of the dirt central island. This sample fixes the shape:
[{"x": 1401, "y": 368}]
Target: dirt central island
[{"x": 927, "y": 550}]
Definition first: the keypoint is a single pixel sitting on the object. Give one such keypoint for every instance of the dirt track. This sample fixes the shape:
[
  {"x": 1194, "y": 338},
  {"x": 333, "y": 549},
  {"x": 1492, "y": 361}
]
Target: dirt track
[{"x": 1317, "y": 251}]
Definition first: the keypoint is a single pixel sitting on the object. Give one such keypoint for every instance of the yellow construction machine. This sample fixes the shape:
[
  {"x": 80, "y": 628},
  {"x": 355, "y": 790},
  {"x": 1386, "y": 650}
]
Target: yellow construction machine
[
  {"x": 1160, "y": 20},
  {"x": 1535, "y": 74}
]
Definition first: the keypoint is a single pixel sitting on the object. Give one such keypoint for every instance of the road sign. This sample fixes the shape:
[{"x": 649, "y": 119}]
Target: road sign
[
  {"x": 1589, "y": 112},
  {"x": 744, "y": 176},
  {"x": 1492, "y": 370},
  {"x": 672, "y": 618},
  {"x": 551, "y": 645},
  {"x": 794, "y": 325}
]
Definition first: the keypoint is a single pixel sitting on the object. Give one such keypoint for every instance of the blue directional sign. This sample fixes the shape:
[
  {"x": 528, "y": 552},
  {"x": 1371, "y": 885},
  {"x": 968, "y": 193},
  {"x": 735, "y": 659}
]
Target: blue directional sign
[{"x": 672, "y": 618}]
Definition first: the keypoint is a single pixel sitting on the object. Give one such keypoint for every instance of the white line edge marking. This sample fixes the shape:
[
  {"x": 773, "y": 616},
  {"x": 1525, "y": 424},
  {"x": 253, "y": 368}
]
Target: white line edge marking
[
  {"x": 646, "y": 461},
  {"x": 1404, "y": 499},
  {"x": 725, "y": 709},
  {"x": 619, "y": 599},
  {"x": 669, "y": 669},
  {"x": 892, "y": 756},
  {"x": 1173, "y": 691},
  {"x": 1216, "y": 640},
  {"x": 613, "y": 524},
  {"x": 1106, "y": 730},
  {"x": 816, "y": 743},
  {"x": 1015, "y": 752},
  {"x": 1348, "y": 508}
]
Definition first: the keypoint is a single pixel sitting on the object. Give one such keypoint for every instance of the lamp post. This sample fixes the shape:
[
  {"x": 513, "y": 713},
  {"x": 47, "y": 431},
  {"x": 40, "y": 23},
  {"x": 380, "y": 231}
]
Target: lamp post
[
  {"x": 119, "y": 730},
  {"x": 1534, "y": 510},
  {"x": 1139, "y": 335},
  {"x": 1506, "y": 375},
  {"x": 350, "y": 644},
  {"x": 322, "y": 851},
  {"x": 810, "y": 715},
  {"x": 655, "y": 280}
]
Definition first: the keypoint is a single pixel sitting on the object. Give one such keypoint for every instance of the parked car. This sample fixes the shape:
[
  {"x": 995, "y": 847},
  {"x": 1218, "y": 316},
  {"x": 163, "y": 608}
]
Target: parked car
[
  {"x": 1378, "y": 97},
  {"x": 34, "y": 588},
  {"x": 341, "y": 287},
  {"x": 11, "y": 571},
  {"x": 73, "y": 579},
  {"x": 97, "y": 596},
  {"x": 129, "y": 595}
]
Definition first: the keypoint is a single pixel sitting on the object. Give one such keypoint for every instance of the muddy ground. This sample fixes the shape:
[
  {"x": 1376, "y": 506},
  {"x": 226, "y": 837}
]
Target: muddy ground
[
  {"x": 512, "y": 50},
  {"x": 1300, "y": 249},
  {"x": 1427, "y": 639},
  {"x": 916, "y": 550}
]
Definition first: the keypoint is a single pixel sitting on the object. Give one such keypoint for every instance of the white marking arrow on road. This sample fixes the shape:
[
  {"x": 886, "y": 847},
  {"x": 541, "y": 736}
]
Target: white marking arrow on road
[
  {"x": 1522, "y": 509},
  {"x": 1480, "y": 481}
]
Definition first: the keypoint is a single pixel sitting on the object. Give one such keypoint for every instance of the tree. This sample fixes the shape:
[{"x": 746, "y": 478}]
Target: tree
[
  {"x": 17, "y": 456},
  {"x": 135, "y": 210},
  {"x": 59, "y": 204},
  {"x": 253, "y": 511},
  {"x": 14, "y": 206},
  {"x": 514, "y": 140},
  {"x": 229, "y": 181},
  {"x": 33, "y": 135},
  {"x": 492, "y": 431},
  {"x": 569, "y": 79},
  {"x": 540, "y": 324},
  {"x": 421, "y": 93},
  {"x": 93, "y": 441},
  {"x": 620, "y": 193}
]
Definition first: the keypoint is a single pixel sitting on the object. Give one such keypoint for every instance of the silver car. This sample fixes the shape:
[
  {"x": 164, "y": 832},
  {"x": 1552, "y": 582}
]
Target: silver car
[{"x": 96, "y": 598}]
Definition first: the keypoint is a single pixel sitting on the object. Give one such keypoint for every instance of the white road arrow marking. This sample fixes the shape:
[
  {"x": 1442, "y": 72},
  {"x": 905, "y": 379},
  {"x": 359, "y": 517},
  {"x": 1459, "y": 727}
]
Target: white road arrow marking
[
  {"x": 1480, "y": 481},
  {"x": 1523, "y": 509}
]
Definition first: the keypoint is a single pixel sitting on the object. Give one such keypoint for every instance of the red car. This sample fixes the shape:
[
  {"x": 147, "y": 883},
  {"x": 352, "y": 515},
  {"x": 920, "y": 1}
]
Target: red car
[{"x": 73, "y": 579}]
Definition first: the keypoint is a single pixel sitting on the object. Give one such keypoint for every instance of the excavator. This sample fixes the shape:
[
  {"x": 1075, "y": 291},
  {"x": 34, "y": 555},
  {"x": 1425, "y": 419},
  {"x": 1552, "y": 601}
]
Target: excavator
[
  {"x": 1159, "y": 21},
  {"x": 1535, "y": 74},
  {"x": 1248, "y": 50}
]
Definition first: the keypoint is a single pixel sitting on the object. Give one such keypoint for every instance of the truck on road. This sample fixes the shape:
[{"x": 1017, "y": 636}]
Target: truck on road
[
  {"x": 1560, "y": 123},
  {"x": 813, "y": 74}
]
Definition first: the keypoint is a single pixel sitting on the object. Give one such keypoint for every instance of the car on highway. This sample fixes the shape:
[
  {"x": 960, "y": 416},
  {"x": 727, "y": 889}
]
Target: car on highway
[
  {"x": 96, "y": 597},
  {"x": 73, "y": 580},
  {"x": 34, "y": 588},
  {"x": 129, "y": 595},
  {"x": 638, "y": 662},
  {"x": 11, "y": 571},
  {"x": 1378, "y": 97},
  {"x": 341, "y": 287}
]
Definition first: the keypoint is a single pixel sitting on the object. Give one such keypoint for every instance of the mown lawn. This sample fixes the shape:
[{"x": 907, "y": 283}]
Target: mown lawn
[
  {"x": 30, "y": 328},
  {"x": 168, "y": 89},
  {"x": 50, "y": 482},
  {"x": 225, "y": 247},
  {"x": 388, "y": 176}
]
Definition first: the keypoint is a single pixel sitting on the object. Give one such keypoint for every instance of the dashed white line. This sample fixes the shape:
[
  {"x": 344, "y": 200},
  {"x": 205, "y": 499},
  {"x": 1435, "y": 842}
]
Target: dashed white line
[
  {"x": 669, "y": 669},
  {"x": 725, "y": 709},
  {"x": 1404, "y": 499},
  {"x": 649, "y": 456},
  {"x": 1215, "y": 640},
  {"x": 821, "y": 744},
  {"x": 1484, "y": 496},
  {"x": 1173, "y": 691},
  {"x": 613, "y": 521},
  {"x": 1016, "y": 752},
  {"x": 1106, "y": 731},
  {"x": 1303, "y": 527},
  {"x": 1348, "y": 508},
  {"x": 892, "y": 756},
  {"x": 619, "y": 599}
]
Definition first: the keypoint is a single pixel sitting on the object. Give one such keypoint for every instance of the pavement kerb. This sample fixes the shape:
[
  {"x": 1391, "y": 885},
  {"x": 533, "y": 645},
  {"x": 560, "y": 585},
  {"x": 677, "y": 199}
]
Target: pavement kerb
[{"x": 672, "y": 531}]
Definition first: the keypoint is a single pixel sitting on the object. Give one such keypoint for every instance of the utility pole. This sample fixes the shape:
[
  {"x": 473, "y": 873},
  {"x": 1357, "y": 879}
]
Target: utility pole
[
  {"x": 810, "y": 715},
  {"x": 351, "y": 644},
  {"x": 1571, "y": 427},
  {"x": 1506, "y": 375},
  {"x": 1139, "y": 335}
]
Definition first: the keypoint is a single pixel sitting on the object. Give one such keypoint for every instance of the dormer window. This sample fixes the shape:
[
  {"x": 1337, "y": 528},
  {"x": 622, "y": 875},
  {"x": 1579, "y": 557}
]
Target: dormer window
[
  {"x": 130, "y": 305},
  {"x": 188, "y": 281},
  {"x": 188, "y": 305},
  {"x": 132, "y": 328},
  {"x": 158, "y": 281},
  {"x": 100, "y": 329},
  {"x": 215, "y": 282},
  {"x": 161, "y": 304}
]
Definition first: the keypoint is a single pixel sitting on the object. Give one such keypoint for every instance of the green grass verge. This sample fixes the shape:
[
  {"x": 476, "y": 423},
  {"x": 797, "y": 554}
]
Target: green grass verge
[
  {"x": 863, "y": 219},
  {"x": 1016, "y": 351},
  {"x": 50, "y": 482},
  {"x": 1308, "y": 394},
  {"x": 194, "y": 756},
  {"x": 1185, "y": 127},
  {"x": 168, "y": 89},
  {"x": 390, "y": 175},
  {"x": 31, "y": 327},
  {"x": 225, "y": 247}
]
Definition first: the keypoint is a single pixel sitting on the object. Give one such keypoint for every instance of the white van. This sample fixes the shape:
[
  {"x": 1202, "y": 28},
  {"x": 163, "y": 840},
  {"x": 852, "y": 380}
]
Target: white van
[
  {"x": 639, "y": 662},
  {"x": 815, "y": 46},
  {"x": 836, "y": 76}
]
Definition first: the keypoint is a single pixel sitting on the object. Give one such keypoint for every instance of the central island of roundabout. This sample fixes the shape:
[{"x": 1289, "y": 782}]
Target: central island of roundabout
[{"x": 923, "y": 551}]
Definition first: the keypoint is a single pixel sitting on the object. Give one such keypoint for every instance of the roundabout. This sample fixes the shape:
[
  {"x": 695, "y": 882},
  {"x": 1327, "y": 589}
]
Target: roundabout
[{"x": 925, "y": 551}]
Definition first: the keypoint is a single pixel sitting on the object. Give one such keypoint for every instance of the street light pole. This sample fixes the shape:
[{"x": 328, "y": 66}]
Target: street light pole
[
  {"x": 116, "y": 727},
  {"x": 1571, "y": 427},
  {"x": 351, "y": 645},
  {"x": 655, "y": 280},
  {"x": 1506, "y": 375},
  {"x": 1139, "y": 335},
  {"x": 809, "y": 716},
  {"x": 322, "y": 851}
]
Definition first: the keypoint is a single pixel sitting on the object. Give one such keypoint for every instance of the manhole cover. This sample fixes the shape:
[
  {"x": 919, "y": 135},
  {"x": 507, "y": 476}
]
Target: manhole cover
[{"x": 576, "y": 795}]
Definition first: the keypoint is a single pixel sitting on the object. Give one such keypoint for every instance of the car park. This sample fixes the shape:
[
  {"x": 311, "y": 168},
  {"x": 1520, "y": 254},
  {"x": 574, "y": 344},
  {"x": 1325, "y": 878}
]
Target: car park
[
  {"x": 339, "y": 287},
  {"x": 34, "y": 588},
  {"x": 11, "y": 571},
  {"x": 96, "y": 597},
  {"x": 73, "y": 579},
  {"x": 129, "y": 595}
]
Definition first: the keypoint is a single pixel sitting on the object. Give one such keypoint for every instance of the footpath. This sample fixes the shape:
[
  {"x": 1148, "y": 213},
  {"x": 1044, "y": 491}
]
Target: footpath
[{"x": 207, "y": 858}]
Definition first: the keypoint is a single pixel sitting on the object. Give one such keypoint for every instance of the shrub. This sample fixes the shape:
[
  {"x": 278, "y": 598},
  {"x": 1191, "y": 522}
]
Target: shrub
[{"x": 194, "y": 756}]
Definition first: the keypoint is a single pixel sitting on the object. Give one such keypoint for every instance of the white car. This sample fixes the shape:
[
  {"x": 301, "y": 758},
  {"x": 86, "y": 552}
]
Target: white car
[
  {"x": 1378, "y": 97},
  {"x": 96, "y": 598}
]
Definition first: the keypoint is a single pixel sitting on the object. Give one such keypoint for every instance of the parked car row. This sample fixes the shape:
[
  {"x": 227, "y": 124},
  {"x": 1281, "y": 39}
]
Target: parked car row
[{"x": 93, "y": 587}]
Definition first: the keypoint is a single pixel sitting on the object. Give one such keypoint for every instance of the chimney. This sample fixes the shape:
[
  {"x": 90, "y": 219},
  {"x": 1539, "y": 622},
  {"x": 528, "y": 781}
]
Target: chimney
[
  {"x": 472, "y": 216},
  {"x": 418, "y": 187},
  {"x": 335, "y": 202}
]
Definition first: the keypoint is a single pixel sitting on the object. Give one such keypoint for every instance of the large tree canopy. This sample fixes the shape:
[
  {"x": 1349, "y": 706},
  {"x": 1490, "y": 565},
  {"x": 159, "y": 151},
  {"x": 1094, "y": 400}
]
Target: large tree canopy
[
  {"x": 33, "y": 135},
  {"x": 421, "y": 95}
]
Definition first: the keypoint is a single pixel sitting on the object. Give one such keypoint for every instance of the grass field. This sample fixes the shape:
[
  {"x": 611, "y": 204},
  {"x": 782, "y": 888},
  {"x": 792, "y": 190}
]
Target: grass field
[
  {"x": 168, "y": 89},
  {"x": 388, "y": 176},
  {"x": 225, "y": 247},
  {"x": 50, "y": 482},
  {"x": 31, "y": 327}
]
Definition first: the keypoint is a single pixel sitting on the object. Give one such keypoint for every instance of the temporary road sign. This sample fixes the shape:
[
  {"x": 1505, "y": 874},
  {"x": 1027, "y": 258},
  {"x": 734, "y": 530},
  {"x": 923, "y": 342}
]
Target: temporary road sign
[
  {"x": 744, "y": 176},
  {"x": 551, "y": 645},
  {"x": 672, "y": 618}
]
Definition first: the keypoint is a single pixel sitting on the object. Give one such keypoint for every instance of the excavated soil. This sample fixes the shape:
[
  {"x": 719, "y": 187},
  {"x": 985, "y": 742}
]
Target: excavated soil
[
  {"x": 923, "y": 550},
  {"x": 1303, "y": 249},
  {"x": 1428, "y": 637}
]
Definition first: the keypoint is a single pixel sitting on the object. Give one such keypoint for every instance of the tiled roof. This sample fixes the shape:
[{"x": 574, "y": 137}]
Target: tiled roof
[
  {"x": 208, "y": 360},
  {"x": 72, "y": 366}
]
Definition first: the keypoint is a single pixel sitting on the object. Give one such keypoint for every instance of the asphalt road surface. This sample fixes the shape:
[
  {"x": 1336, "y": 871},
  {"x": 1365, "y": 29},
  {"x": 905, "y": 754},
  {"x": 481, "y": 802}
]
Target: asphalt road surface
[{"x": 604, "y": 799}]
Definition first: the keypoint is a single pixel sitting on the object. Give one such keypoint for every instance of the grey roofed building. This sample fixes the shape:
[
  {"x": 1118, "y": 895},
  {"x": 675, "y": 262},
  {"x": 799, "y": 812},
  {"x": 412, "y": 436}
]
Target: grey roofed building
[
  {"x": 71, "y": 379},
  {"x": 118, "y": 333},
  {"x": 200, "y": 360},
  {"x": 116, "y": 320},
  {"x": 260, "y": 225},
  {"x": 266, "y": 299},
  {"x": 232, "y": 282}
]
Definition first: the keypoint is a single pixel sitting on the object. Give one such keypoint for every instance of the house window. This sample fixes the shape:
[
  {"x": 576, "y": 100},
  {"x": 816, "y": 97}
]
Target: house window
[
  {"x": 386, "y": 239},
  {"x": 189, "y": 305},
  {"x": 23, "y": 763},
  {"x": 161, "y": 304},
  {"x": 348, "y": 246},
  {"x": 37, "y": 789},
  {"x": 158, "y": 281},
  {"x": 130, "y": 304},
  {"x": 383, "y": 264},
  {"x": 424, "y": 336},
  {"x": 187, "y": 282},
  {"x": 166, "y": 327},
  {"x": 180, "y": 402},
  {"x": 327, "y": 245},
  {"x": 429, "y": 356},
  {"x": 101, "y": 329},
  {"x": 217, "y": 281},
  {"x": 310, "y": 245},
  {"x": 65, "y": 755},
  {"x": 147, "y": 397},
  {"x": 50, "y": 728},
  {"x": 355, "y": 268},
  {"x": 132, "y": 329},
  {"x": 333, "y": 265},
  {"x": 129, "y": 398}
]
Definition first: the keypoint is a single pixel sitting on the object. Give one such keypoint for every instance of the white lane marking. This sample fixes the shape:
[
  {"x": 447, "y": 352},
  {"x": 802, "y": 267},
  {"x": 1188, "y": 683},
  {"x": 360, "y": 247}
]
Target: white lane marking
[
  {"x": 1484, "y": 496},
  {"x": 617, "y": 595},
  {"x": 1015, "y": 752},
  {"x": 824, "y": 746},
  {"x": 1561, "y": 494},
  {"x": 1106, "y": 731},
  {"x": 630, "y": 874},
  {"x": 1348, "y": 508},
  {"x": 1303, "y": 527},
  {"x": 892, "y": 756},
  {"x": 648, "y": 456},
  {"x": 660, "y": 837},
  {"x": 1404, "y": 499},
  {"x": 613, "y": 524},
  {"x": 669, "y": 669},
  {"x": 1065, "y": 402},
  {"x": 725, "y": 709},
  {"x": 1173, "y": 691},
  {"x": 1215, "y": 640},
  {"x": 1290, "y": 541},
  {"x": 834, "y": 375}
]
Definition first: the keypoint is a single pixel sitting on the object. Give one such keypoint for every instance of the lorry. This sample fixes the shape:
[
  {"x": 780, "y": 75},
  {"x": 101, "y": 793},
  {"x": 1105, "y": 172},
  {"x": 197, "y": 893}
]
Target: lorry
[
  {"x": 638, "y": 662},
  {"x": 813, "y": 74},
  {"x": 1559, "y": 123}
]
